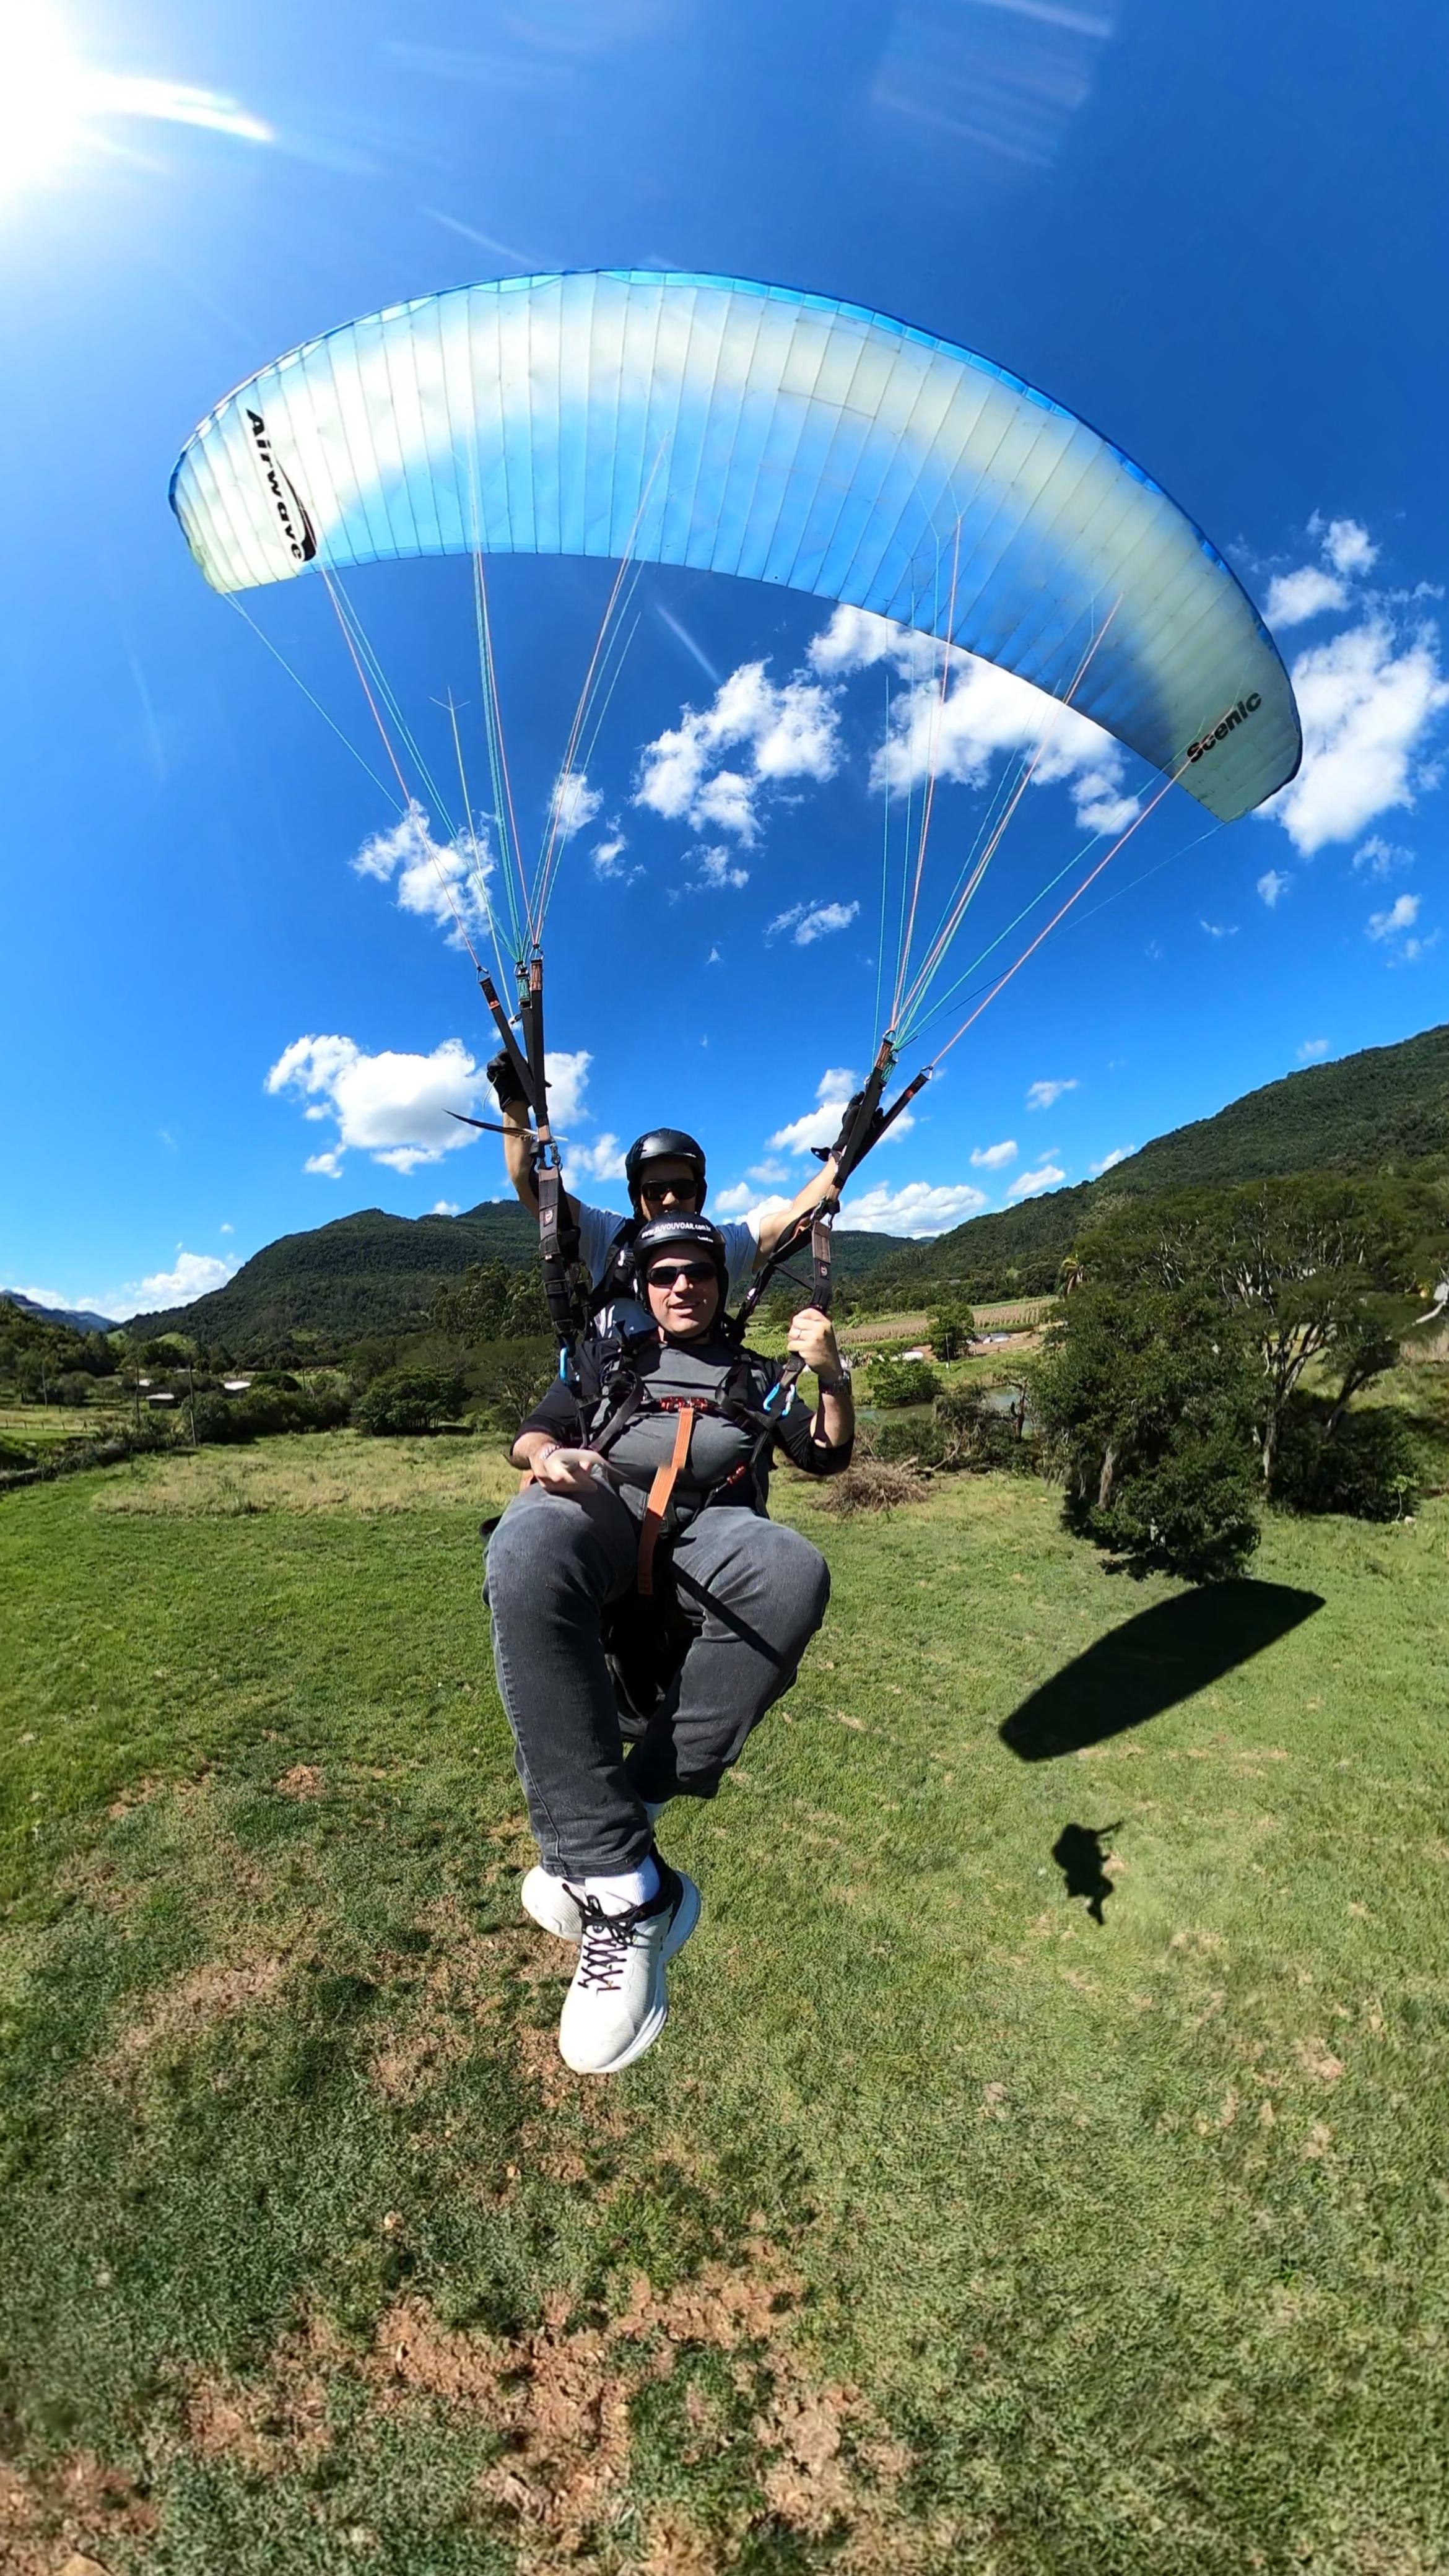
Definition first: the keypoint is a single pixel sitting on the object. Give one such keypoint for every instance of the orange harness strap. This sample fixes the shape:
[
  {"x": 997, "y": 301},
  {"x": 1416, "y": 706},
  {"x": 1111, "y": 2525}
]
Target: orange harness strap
[{"x": 665, "y": 1479}]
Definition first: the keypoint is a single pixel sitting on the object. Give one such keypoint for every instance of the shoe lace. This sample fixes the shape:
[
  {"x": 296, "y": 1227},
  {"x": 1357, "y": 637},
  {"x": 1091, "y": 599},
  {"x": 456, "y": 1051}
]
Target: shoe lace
[{"x": 604, "y": 1945}]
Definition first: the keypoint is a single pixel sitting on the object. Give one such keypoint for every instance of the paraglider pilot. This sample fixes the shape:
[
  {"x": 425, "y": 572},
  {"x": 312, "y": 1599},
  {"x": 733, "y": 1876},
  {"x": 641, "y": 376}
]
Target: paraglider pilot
[
  {"x": 651, "y": 1475},
  {"x": 665, "y": 1172}
]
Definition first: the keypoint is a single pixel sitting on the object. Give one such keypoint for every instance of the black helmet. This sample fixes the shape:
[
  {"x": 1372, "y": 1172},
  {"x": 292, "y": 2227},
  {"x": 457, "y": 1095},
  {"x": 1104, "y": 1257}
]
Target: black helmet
[
  {"x": 679, "y": 1233},
  {"x": 664, "y": 1145}
]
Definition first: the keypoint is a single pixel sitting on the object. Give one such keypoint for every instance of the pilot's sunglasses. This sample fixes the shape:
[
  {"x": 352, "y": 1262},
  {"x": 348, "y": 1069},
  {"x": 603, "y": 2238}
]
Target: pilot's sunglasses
[{"x": 667, "y": 1274}]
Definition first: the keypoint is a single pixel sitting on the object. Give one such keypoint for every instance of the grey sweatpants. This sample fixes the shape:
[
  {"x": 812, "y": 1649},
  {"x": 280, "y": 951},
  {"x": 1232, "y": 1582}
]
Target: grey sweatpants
[{"x": 553, "y": 1566}]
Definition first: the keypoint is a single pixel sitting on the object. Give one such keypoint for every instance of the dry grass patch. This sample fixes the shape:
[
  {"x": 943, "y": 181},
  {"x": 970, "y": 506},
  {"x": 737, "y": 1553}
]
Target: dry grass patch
[
  {"x": 304, "y": 1474},
  {"x": 52, "y": 2522},
  {"x": 193, "y": 2005}
]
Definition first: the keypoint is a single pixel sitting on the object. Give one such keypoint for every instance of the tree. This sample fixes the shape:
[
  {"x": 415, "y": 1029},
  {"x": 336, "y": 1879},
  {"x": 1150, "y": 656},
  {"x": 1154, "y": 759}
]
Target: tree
[
  {"x": 1145, "y": 1399},
  {"x": 410, "y": 1399},
  {"x": 1301, "y": 1266},
  {"x": 512, "y": 1376},
  {"x": 952, "y": 1329},
  {"x": 902, "y": 1382},
  {"x": 491, "y": 1303}
]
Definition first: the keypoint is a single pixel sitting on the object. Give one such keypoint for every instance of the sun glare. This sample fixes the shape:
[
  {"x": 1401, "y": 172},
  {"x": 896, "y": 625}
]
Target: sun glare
[{"x": 54, "y": 106}]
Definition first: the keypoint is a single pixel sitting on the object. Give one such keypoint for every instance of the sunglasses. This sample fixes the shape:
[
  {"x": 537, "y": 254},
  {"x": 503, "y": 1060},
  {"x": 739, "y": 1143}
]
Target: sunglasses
[
  {"x": 683, "y": 1189},
  {"x": 667, "y": 1274}
]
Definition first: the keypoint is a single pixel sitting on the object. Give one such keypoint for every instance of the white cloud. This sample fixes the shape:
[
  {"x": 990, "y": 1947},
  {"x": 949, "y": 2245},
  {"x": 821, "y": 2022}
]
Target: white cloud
[
  {"x": 396, "y": 1107},
  {"x": 601, "y": 1161},
  {"x": 783, "y": 730},
  {"x": 989, "y": 1158},
  {"x": 772, "y": 1205},
  {"x": 1402, "y": 915},
  {"x": 195, "y": 1274},
  {"x": 391, "y": 1106},
  {"x": 1313, "y": 1051},
  {"x": 819, "y": 1126},
  {"x": 441, "y": 881},
  {"x": 1027, "y": 1184},
  {"x": 915, "y": 1209},
  {"x": 1041, "y": 1095},
  {"x": 226, "y": 1229},
  {"x": 987, "y": 712},
  {"x": 735, "y": 1201},
  {"x": 1109, "y": 1162},
  {"x": 1381, "y": 858},
  {"x": 810, "y": 922},
  {"x": 717, "y": 867},
  {"x": 1368, "y": 699},
  {"x": 444, "y": 1207},
  {"x": 575, "y": 804},
  {"x": 1346, "y": 545},
  {"x": 769, "y": 1173},
  {"x": 1296, "y": 596},
  {"x": 1219, "y": 929},
  {"x": 856, "y": 639},
  {"x": 607, "y": 857},
  {"x": 1272, "y": 885}
]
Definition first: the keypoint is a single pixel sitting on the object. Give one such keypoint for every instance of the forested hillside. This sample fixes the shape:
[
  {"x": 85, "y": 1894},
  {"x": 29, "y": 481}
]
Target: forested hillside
[
  {"x": 373, "y": 1273},
  {"x": 369, "y": 1273},
  {"x": 1386, "y": 1107}
]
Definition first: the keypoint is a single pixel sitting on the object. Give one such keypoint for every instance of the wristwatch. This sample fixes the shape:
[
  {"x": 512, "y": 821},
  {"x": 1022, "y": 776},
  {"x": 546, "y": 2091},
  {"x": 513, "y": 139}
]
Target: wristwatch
[{"x": 835, "y": 1385}]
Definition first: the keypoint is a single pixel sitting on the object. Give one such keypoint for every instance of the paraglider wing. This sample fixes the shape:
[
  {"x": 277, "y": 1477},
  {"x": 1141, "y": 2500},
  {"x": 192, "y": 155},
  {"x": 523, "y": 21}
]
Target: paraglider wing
[{"x": 781, "y": 437}]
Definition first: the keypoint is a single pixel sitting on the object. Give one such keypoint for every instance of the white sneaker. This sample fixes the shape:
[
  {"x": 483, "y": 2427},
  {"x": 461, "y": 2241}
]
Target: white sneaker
[
  {"x": 617, "y": 2005},
  {"x": 552, "y": 1904},
  {"x": 551, "y": 1901}
]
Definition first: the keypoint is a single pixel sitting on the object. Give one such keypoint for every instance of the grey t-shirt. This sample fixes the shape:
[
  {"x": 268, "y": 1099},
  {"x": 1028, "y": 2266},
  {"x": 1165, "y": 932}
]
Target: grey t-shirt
[
  {"x": 597, "y": 1229},
  {"x": 715, "y": 1448}
]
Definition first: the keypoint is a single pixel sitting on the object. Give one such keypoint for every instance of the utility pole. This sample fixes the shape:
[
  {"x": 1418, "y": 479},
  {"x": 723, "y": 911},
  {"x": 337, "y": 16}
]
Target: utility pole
[{"x": 191, "y": 1400}]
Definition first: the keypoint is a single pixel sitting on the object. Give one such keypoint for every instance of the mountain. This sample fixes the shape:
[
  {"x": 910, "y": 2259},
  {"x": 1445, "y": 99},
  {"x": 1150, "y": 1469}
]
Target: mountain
[
  {"x": 79, "y": 1318},
  {"x": 373, "y": 1273},
  {"x": 1384, "y": 1107},
  {"x": 368, "y": 1273}
]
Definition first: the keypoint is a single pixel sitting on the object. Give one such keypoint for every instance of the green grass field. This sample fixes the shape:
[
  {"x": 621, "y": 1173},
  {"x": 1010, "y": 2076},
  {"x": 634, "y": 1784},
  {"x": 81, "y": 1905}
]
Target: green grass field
[{"x": 946, "y": 2228}]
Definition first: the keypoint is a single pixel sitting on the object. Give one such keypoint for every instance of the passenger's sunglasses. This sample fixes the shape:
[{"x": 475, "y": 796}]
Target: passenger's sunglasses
[
  {"x": 685, "y": 1189},
  {"x": 667, "y": 1274}
]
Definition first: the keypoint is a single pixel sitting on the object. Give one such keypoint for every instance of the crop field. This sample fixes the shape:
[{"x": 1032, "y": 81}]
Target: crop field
[
  {"x": 1044, "y": 2169},
  {"x": 41, "y": 1427}
]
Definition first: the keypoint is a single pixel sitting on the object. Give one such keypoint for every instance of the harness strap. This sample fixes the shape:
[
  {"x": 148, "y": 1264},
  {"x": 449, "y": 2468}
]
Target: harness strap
[{"x": 665, "y": 1480}]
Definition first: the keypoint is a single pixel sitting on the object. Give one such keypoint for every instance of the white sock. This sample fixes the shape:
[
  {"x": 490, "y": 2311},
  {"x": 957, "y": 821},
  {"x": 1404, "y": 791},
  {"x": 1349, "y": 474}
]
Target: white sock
[{"x": 630, "y": 1887}]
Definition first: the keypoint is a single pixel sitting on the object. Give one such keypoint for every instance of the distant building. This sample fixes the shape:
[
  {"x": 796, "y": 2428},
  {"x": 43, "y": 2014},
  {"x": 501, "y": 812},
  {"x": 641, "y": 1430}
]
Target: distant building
[
  {"x": 235, "y": 1385},
  {"x": 163, "y": 1398}
]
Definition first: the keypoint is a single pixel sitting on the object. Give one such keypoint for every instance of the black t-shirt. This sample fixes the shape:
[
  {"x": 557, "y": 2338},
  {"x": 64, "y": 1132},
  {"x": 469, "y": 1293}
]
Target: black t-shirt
[{"x": 711, "y": 1375}]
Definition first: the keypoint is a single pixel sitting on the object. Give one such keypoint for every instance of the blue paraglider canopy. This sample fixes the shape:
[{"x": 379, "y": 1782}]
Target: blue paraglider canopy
[{"x": 755, "y": 431}]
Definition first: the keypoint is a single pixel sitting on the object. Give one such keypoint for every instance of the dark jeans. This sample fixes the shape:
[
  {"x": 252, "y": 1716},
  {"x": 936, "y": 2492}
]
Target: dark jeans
[{"x": 553, "y": 1566}]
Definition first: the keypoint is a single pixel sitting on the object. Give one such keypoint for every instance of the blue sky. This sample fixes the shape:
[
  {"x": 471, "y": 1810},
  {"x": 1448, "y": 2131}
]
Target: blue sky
[{"x": 1220, "y": 237}]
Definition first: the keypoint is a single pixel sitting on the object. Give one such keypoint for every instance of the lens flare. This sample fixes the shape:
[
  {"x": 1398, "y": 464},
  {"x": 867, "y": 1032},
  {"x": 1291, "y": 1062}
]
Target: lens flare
[{"x": 53, "y": 106}]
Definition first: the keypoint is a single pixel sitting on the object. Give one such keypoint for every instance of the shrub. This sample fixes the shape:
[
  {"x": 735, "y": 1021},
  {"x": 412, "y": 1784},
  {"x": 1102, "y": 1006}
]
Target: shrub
[
  {"x": 222, "y": 1419},
  {"x": 410, "y": 1400},
  {"x": 1194, "y": 1513},
  {"x": 1363, "y": 1464},
  {"x": 902, "y": 1382},
  {"x": 899, "y": 1444},
  {"x": 975, "y": 1434}
]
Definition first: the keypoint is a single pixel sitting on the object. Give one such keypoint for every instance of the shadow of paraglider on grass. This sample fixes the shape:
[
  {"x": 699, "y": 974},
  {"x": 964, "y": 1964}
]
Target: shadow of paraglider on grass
[
  {"x": 1081, "y": 1853},
  {"x": 1151, "y": 1663}
]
